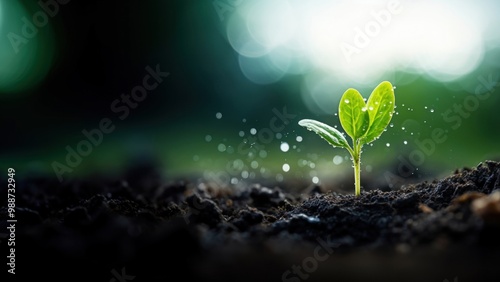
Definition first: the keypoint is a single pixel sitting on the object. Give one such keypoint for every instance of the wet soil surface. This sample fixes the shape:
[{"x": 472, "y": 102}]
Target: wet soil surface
[{"x": 139, "y": 229}]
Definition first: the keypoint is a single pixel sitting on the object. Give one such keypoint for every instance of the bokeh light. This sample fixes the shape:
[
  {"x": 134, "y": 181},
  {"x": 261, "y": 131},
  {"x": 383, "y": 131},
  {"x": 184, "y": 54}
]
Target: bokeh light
[
  {"x": 25, "y": 60},
  {"x": 334, "y": 44}
]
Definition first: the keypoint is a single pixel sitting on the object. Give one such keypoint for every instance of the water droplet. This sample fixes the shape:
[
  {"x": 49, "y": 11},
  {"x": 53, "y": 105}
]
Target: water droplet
[
  {"x": 346, "y": 101},
  {"x": 363, "y": 109},
  {"x": 432, "y": 110},
  {"x": 335, "y": 114},
  {"x": 425, "y": 107},
  {"x": 284, "y": 147},
  {"x": 253, "y": 131},
  {"x": 279, "y": 177},
  {"x": 299, "y": 138},
  {"x": 254, "y": 164},
  {"x": 405, "y": 142},
  {"x": 241, "y": 133},
  {"x": 286, "y": 167},
  {"x": 208, "y": 138},
  {"x": 218, "y": 115},
  {"x": 394, "y": 87},
  {"x": 315, "y": 180},
  {"x": 262, "y": 154},
  {"x": 337, "y": 160},
  {"x": 391, "y": 125},
  {"x": 387, "y": 144},
  {"x": 221, "y": 147},
  {"x": 403, "y": 128},
  {"x": 370, "y": 108}
]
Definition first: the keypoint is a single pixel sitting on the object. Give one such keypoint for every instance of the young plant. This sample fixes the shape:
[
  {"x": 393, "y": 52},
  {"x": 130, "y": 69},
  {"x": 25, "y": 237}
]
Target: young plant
[{"x": 363, "y": 122}]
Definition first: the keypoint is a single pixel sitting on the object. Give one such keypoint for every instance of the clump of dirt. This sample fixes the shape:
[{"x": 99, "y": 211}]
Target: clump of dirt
[{"x": 94, "y": 229}]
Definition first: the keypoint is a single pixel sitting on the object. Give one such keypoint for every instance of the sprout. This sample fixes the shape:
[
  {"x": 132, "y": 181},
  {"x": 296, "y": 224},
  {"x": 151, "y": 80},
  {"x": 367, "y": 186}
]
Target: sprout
[{"x": 363, "y": 122}]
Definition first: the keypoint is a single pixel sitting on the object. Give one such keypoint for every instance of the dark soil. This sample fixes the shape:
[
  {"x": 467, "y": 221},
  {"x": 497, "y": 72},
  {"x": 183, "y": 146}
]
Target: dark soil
[{"x": 144, "y": 230}]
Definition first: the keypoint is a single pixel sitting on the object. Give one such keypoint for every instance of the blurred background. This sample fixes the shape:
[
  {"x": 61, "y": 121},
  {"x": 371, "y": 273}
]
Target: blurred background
[{"x": 241, "y": 74}]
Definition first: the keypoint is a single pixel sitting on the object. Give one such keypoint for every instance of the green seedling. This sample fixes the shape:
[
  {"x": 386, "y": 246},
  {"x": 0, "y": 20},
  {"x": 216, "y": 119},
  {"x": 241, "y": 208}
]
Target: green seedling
[{"x": 363, "y": 122}]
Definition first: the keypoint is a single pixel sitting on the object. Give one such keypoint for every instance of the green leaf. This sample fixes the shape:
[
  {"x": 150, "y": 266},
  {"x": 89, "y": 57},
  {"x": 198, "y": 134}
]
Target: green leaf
[
  {"x": 353, "y": 114},
  {"x": 330, "y": 134},
  {"x": 380, "y": 108}
]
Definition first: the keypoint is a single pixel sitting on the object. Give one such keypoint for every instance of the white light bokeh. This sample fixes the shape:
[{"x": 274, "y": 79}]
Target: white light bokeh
[{"x": 360, "y": 42}]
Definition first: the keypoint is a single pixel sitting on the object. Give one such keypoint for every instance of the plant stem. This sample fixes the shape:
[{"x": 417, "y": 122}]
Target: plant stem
[{"x": 356, "y": 160}]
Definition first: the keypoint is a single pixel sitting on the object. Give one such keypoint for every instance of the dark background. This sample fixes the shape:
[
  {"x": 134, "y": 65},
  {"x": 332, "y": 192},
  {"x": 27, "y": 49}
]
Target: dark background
[{"x": 65, "y": 78}]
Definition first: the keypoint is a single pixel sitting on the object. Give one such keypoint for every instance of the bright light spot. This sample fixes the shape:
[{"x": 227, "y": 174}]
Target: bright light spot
[
  {"x": 234, "y": 180},
  {"x": 360, "y": 41},
  {"x": 284, "y": 147},
  {"x": 337, "y": 160},
  {"x": 286, "y": 167},
  {"x": 253, "y": 131},
  {"x": 387, "y": 144},
  {"x": 218, "y": 115},
  {"x": 241, "y": 133},
  {"x": 208, "y": 138},
  {"x": 299, "y": 138},
  {"x": 405, "y": 142},
  {"x": 315, "y": 180},
  {"x": 244, "y": 174}
]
